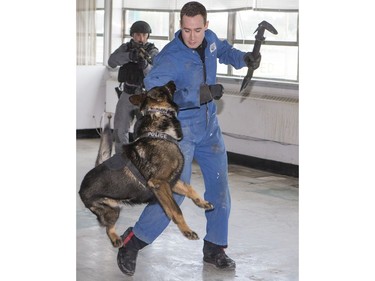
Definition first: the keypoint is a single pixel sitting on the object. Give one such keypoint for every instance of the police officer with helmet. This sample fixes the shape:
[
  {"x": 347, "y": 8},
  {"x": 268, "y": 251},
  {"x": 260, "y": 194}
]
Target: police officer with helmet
[{"x": 135, "y": 60}]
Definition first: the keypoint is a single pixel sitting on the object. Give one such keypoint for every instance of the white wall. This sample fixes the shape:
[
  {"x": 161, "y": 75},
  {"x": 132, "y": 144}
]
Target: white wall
[
  {"x": 90, "y": 95},
  {"x": 265, "y": 124}
]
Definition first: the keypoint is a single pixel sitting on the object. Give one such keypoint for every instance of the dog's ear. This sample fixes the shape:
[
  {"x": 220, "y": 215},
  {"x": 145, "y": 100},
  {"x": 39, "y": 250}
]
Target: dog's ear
[
  {"x": 171, "y": 87},
  {"x": 137, "y": 99}
]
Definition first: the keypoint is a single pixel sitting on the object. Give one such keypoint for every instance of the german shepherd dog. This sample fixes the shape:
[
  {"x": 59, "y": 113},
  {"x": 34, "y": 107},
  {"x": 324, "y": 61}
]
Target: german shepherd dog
[{"x": 148, "y": 170}]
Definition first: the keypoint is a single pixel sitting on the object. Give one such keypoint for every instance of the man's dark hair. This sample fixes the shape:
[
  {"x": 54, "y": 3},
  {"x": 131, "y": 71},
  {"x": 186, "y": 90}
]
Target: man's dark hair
[{"x": 192, "y": 9}]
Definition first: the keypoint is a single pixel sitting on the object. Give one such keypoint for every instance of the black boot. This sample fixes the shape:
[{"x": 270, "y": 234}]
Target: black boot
[
  {"x": 127, "y": 254},
  {"x": 214, "y": 254}
]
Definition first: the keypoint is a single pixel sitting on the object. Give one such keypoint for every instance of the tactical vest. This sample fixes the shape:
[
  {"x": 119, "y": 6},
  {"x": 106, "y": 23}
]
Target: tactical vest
[{"x": 130, "y": 72}]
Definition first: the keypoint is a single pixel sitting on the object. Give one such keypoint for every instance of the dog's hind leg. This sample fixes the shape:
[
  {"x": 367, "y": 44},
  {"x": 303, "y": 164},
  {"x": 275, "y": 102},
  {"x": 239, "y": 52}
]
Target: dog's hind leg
[
  {"x": 164, "y": 195},
  {"x": 108, "y": 211},
  {"x": 187, "y": 190}
]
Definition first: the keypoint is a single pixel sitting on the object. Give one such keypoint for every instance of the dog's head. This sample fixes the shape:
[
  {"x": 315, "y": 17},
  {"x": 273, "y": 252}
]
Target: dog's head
[{"x": 156, "y": 98}]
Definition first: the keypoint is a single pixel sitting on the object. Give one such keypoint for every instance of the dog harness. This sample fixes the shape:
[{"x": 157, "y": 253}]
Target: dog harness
[
  {"x": 158, "y": 135},
  {"x": 118, "y": 161},
  {"x": 164, "y": 111}
]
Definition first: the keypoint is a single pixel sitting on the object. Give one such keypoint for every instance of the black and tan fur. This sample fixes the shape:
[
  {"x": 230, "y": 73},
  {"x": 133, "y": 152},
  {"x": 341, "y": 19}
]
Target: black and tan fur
[{"x": 159, "y": 160}]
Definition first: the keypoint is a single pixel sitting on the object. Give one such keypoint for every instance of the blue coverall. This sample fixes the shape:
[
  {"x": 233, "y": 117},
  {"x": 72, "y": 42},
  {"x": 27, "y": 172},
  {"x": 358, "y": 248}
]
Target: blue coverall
[{"x": 202, "y": 138}]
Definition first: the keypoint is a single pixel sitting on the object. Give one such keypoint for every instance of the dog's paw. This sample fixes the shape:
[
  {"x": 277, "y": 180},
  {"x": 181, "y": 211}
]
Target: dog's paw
[
  {"x": 208, "y": 206},
  {"x": 204, "y": 204},
  {"x": 117, "y": 243},
  {"x": 191, "y": 235}
]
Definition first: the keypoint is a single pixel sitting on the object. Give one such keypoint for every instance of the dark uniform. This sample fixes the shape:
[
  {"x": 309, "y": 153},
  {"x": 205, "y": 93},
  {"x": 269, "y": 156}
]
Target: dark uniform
[{"x": 133, "y": 70}]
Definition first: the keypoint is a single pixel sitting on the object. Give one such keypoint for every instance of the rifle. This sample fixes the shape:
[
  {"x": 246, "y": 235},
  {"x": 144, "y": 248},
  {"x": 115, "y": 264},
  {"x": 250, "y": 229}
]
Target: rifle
[{"x": 142, "y": 52}]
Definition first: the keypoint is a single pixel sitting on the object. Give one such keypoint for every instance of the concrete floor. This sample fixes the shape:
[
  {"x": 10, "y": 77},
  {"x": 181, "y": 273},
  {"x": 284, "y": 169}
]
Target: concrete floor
[{"x": 263, "y": 234}]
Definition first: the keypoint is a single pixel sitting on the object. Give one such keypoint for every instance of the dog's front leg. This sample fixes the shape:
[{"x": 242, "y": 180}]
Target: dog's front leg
[
  {"x": 164, "y": 195},
  {"x": 187, "y": 190}
]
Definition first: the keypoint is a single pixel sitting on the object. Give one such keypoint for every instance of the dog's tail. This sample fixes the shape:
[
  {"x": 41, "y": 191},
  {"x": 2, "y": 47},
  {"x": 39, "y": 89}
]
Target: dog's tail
[{"x": 106, "y": 142}]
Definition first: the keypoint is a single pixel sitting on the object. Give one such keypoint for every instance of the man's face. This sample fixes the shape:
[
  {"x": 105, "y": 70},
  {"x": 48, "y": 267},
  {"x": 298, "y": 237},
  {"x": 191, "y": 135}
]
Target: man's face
[
  {"x": 140, "y": 37},
  {"x": 192, "y": 30}
]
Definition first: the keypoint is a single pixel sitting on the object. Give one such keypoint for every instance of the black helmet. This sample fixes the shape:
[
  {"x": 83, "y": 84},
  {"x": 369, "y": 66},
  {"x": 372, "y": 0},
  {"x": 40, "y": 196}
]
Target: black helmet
[{"x": 140, "y": 27}]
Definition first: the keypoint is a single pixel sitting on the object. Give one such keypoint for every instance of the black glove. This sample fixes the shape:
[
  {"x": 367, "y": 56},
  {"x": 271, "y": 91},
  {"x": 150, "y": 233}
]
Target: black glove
[
  {"x": 144, "y": 54},
  {"x": 252, "y": 62},
  {"x": 217, "y": 91},
  {"x": 134, "y": 55},
  {"x": 142, "y": 63}
]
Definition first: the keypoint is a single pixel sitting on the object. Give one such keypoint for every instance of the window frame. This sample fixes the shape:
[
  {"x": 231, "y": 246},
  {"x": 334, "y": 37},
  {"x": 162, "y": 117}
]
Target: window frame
[
  {"x": 100, "y": 36},
  {"x": 230, "y": 37}
]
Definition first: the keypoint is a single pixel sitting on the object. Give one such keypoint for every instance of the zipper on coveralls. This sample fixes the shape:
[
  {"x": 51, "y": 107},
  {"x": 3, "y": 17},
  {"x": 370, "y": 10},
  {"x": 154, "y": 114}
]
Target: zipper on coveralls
[
  {"x": 204, "y": 78},
  {"x": 207, "y": 116}
]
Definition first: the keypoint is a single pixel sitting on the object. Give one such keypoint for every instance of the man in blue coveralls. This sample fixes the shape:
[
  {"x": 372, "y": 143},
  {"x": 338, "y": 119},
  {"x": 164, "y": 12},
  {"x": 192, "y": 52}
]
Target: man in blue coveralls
[{"x": 190, "y": 60}]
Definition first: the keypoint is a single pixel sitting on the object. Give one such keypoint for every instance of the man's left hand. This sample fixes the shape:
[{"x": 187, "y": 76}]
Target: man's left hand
[
  {"x": 142, "y": 63},
  {"x": 252, "y": 62}
]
